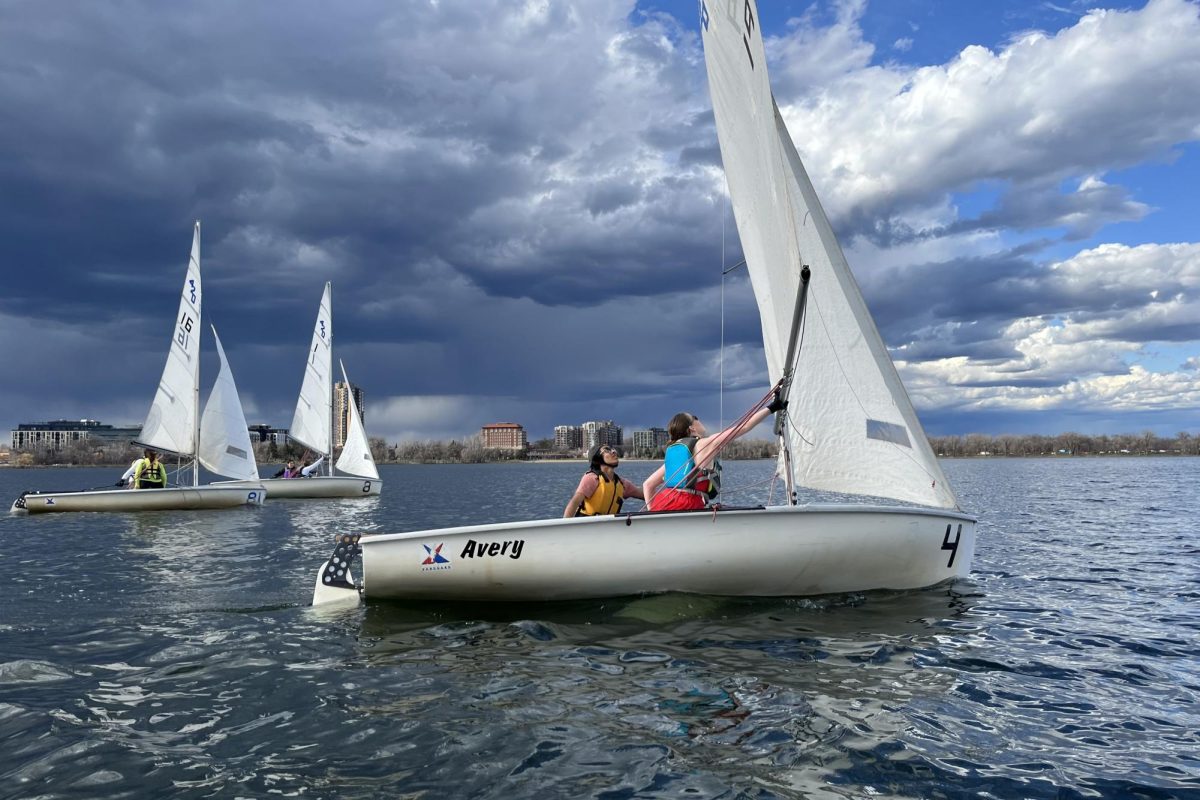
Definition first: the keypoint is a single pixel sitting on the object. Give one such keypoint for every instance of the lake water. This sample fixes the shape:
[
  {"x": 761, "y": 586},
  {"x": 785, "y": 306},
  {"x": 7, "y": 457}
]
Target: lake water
[{"x": 175, "y": 654}]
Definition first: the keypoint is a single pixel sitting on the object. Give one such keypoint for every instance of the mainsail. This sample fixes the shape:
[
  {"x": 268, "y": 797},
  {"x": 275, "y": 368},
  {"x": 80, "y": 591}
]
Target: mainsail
[
  {"x": 311, "y": 422},
  {"x": 356, "y": 456},
  {"x": 850, "y": 426},
  {"x": 171, "y": 424},
  {"x": 224, "y": 437}
]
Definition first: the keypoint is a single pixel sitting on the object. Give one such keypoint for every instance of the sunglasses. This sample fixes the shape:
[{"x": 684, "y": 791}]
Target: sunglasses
[{"x": 607, "y": 449}]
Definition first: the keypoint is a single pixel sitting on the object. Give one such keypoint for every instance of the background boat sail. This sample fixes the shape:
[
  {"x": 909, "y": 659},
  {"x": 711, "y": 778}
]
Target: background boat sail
[
  {"x": 174, "y": 426},
  {"x": 849, "y": 428},
  {"x": 312, "y": 426}
]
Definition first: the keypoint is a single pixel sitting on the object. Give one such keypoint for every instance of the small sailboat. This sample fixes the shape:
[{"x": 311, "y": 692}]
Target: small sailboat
[
  {"x": 219, "y": 439},
  {"x": 312, "y": 427},
  {"x": 849, "y": 428}
]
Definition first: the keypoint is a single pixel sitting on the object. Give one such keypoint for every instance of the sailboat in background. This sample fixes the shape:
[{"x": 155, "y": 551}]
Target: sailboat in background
[
  {"x": 312, "y": 426},
  {"x": 219, "y": 439},
  {"x": 850, "y": 428}
]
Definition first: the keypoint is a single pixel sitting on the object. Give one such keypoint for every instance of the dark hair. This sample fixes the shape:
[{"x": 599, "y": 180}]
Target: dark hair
[{"x": 677, "y": 428}]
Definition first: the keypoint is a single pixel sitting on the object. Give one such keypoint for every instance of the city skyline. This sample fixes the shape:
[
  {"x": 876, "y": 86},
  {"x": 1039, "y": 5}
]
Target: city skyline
[{"x": 1011, "y": 183}]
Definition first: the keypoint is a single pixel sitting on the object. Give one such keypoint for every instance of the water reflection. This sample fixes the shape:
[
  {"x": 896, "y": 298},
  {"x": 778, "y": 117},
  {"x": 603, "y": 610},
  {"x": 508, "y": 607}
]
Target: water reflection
[{"x": 196, "y": 560}]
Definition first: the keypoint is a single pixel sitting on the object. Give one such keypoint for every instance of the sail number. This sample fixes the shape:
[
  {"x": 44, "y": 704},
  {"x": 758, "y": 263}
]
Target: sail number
[
  {"x": 366, "y": 487},
  {"x": 951, "y": 546},
  {"x": 183, "y": 333},
  {"x": 747, "y": 22}
]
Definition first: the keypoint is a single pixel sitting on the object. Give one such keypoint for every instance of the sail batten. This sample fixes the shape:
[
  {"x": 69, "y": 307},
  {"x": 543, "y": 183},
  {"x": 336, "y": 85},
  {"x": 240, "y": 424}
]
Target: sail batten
[{"x": 851, "y": 427}]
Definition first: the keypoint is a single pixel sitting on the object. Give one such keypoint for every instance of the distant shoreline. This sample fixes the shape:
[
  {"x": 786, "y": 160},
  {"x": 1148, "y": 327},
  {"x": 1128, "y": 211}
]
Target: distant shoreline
[{"x": 583, "y": 462}]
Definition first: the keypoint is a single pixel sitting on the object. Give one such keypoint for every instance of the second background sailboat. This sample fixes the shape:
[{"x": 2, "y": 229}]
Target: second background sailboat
[{"x": 312, "y": 426}]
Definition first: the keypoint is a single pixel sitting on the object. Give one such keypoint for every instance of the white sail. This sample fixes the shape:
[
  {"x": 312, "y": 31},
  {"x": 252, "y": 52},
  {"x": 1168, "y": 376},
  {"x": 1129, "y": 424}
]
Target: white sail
[
  {"x": 851, "y": 427},
  {"x": 311, "y": 422},
  {"x": 356, "y": 456},
  {"x": 171, "y": 424},
  {"x": 224, "y": 437}
]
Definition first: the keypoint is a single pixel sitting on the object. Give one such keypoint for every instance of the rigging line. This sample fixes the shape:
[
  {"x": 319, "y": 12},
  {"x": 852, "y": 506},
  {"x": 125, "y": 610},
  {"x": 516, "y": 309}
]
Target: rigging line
[
  {"x": 736, "y": 430},
  {"x": 748, "y": 486},
  {"x": 837, "y": 359},
  {"x": 721, "y": 380}
]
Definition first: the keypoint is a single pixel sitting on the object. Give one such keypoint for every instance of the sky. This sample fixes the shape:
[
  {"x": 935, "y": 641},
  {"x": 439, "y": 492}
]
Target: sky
[{"x": 521, "y": 207}]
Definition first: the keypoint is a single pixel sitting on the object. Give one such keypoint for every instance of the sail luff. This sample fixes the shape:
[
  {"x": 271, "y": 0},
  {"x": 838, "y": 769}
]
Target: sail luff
[
  {"x": 851, "y": 426},
  {"x": 328, "y": 468},
  {"x": 195, "y": 256},
  {"x": 171, "y": 424}
]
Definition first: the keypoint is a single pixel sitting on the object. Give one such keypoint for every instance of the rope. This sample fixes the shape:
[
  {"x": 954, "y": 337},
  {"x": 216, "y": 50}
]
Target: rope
[{"x": 735, "y": 431}]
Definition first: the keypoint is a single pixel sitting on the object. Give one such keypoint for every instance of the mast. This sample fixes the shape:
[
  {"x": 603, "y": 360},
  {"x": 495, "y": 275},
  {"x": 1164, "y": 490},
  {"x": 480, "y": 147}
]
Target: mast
[
  {"x": 789, "y": 368},
  {"x": 329, "y": 380},
  {"x": 196, "y": 384}
]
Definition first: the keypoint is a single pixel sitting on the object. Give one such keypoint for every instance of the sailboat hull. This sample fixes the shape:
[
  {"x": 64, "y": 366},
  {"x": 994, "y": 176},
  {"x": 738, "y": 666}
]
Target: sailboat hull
[
  {"x": 315, "y": 487},
  {"x": 181, "y": 498},
  {"x": 765, "y": 552}
]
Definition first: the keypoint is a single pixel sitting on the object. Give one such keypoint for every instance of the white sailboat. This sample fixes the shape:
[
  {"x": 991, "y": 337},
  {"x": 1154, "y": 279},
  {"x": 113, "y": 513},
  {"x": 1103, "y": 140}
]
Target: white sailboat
[
  {"x": 312, "y": 427},
  {"x": 219, "y": 440},
  {"x": 849, "y": 428}
]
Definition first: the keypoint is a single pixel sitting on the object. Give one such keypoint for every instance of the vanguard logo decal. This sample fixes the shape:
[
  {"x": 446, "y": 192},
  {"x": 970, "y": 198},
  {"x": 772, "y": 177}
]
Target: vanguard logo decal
[{"x": 434, "y": 559}]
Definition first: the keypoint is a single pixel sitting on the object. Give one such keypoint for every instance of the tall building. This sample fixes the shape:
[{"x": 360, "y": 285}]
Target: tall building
[
  {"x": 504, "y": 436},
  {"x": 647, "y": 442},
  {"x": 568, "y": 437},
  {"x": 58, "y": 433},
  {"x": 341, "y": 410},
  {"x": 601, "y": 431}
]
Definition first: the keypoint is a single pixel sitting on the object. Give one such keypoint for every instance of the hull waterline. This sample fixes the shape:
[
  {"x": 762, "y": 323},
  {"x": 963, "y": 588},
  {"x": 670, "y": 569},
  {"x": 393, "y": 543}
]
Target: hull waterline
[
  {"x": 316, "y": 487},
  {"x": 180, "y": 498},
  {"x": 762, "y": 552}
]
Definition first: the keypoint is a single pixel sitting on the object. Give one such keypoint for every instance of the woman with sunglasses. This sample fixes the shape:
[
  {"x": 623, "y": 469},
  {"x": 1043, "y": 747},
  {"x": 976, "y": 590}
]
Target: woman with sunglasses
[
  {"x": 601, "y": 490},
  {"x": 689, "y": 475}
]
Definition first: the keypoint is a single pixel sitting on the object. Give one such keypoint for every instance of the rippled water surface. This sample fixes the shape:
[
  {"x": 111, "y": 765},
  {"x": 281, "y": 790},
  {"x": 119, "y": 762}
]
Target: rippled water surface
[{"x": 175, "y": 653}]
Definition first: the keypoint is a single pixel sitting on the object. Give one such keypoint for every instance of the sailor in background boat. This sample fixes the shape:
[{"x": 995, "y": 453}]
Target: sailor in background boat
[
  {"x": 308, "y": 469},
  {"x": 690, "y": 474},
  {"x": 148, "y": 472},
  {"x": 601, "y": 490},
  {"x": 289, "y": 471}
]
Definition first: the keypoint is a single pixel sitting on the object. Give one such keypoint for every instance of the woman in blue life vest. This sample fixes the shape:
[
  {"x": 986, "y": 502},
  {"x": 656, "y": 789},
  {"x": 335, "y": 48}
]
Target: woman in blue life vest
[
  {"x": 686, "y": 477},
  {"x": 601, "y": 490}
]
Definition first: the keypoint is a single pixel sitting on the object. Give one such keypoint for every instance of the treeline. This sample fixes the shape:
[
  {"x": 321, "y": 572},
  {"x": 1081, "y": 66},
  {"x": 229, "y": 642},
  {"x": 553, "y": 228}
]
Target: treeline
[
  {"x": 1072, "y": 444},
  {"x": 471, "y": 450}
]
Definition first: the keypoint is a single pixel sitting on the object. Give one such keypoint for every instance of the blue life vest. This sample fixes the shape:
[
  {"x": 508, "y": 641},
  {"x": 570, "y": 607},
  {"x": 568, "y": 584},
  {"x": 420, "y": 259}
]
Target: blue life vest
[
  {"x": 680, "y": 472},
  {"x": 679, "y": 466}
]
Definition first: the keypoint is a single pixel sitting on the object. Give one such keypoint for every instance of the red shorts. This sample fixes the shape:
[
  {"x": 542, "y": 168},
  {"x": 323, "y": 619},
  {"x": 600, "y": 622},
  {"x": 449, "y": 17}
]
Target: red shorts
[{"x": 675, "y": 500}]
